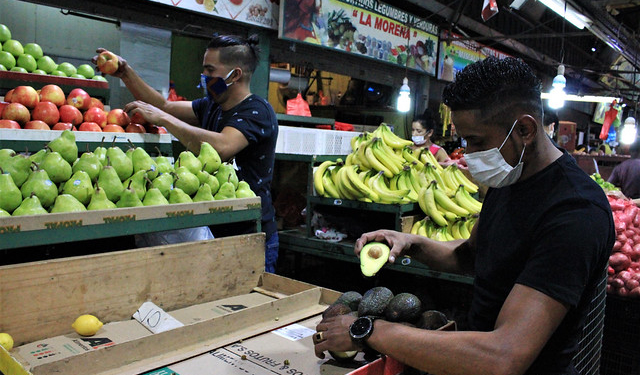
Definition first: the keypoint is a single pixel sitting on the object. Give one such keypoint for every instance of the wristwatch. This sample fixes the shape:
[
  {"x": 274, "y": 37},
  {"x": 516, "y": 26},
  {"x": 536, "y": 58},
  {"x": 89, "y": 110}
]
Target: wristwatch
[{"x": 361, "y": 329}]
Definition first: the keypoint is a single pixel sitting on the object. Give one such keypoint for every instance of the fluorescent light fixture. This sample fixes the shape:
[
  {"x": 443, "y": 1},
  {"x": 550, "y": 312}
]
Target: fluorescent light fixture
[
  {"x": 571, "y": 15},
  {"x": 404, "y": 98},
  {"x": 629, "y": 131},
  {"x": 584, "y": 98},
  {"x": 557, "y": 94}
]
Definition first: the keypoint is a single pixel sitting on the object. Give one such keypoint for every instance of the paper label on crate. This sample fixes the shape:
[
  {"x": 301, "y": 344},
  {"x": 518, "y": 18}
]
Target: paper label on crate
[
  {"x": 294, "y": 332},
  {"x": 155, "y": 319}
]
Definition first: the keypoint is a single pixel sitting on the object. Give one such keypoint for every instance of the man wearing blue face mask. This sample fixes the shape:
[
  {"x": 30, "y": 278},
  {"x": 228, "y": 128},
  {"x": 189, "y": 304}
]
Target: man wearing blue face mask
[
  {"x": 538, "y": 252},
  {"x": 237, "y": 123}
]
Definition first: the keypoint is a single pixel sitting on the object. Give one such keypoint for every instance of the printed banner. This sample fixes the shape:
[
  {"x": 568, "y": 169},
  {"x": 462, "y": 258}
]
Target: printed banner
[
  {"x": 262, "y": 13},
  {"x": 456, "y": 54},
  {"x": 362, "y": 27}
]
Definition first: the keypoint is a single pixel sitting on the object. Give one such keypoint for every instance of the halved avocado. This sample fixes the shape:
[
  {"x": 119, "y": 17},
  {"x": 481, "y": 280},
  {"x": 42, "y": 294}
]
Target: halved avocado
[
  {"x": 343, "y": 356},
  {"x": 372, "y": 257}
]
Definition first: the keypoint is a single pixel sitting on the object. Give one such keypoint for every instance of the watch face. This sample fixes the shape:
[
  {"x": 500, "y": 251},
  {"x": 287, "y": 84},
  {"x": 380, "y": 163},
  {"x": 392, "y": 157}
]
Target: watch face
[{"x": 361, "y": 327}]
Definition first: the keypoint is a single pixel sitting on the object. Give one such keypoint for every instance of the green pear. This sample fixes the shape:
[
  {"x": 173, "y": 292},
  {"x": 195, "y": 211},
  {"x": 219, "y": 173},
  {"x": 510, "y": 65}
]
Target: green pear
[
  {"x": 110, "y": 182},
  {"x": 5, "y": 153},
  {"x": 154, "y": 197},
  {"x": 213, "y": 183},
  {"x": 10, "y": 195},
  {"x": 164, "y": 183},
  {"x": 19, "y": 166},
  {"x": 186, "y": 181},
  {"x": 101, "y": 153},
  {"x": 143, "y": 162},
  {"x": 30, "y": 206},
  {"x": 38, "y": 156},
  {"x": 66, "y": 146},
  {"x": 129, "y": 198},
  {"x": 120, "y": 162},
  {"x": 89, "y": 163},
  {"x": 100, "y": 200},
  {"x": 129, "y": 153},
  {"x": 225, "y": 173},
  {"x": 203, "y": 176},
  {"x": 188, "y": 159},
  {"x": 209, "y": 157},
  {"x": 4, "y": 213},
  {"x": 67, "y": 203},
  {"x": 203, "y": 194},
  {"x": 79, "y": 185},
  {"x": 226, "y": 191},
  {"x": 137, "y": 182},
  {"x": 57, "y": 168},
  {"x": 244, "y": 190},
  {"x": 163, "y": 163},
  {"x": 178, "y": 196},
  {"x": 41, "y": 185}
]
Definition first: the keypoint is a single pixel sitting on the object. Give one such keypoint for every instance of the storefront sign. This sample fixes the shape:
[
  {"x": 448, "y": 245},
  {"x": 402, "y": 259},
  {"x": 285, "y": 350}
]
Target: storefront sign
[
  {"x": 362, "y": 27},
  {"x": 262, "y": 13},
  {"x": 456, "y": 54}
]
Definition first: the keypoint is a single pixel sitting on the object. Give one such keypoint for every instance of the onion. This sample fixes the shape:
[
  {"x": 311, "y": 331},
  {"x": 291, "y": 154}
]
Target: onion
[
  {"x": 626, "y": 249},
  {"x": 617, "y": 245},
  {"x": 617, "y": 283},
  {"x": 622, "y": 238},
  {"x": 622, "y": 292},
  {"x": 624, "y": 275},
  {"x": 610, "y": 271},
  {"x": 619, "y": 261},
  {"x": 631, "y": 284},
  {"x": 635, "y": 292}
]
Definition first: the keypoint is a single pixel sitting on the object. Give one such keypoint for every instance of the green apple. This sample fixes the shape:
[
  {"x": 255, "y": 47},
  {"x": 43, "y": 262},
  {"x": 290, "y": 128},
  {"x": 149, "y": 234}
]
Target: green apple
[
  {"x": 47, "y": 64},
  {"x": 77, "y": 76},
  {"x": 39, "y": 71},
  {"x": 98, "y": 77},
  {"x": 7, "y": 59},
  {"x": 58, "y": 73},
  {"x": 28, "y": 62},
  {"x": 67, "y": 68},
  {"x": 86, "y": 71},
  {"x": 14, "y": 47},
  {"x": 5, "y": 33},
  {"x": 34, "y": 50},
  {"x": 2, "y": 67},
  {"x": 19, "y": 69}
]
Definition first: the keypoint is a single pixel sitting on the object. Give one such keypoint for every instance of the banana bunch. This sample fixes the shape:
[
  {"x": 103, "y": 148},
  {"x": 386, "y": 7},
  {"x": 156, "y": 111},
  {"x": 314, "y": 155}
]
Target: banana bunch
[{"x": 455, "y": 230}]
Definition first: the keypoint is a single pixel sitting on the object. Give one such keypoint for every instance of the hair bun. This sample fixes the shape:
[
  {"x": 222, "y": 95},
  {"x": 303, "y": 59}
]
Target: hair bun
[{"x": 253, "y": 40}]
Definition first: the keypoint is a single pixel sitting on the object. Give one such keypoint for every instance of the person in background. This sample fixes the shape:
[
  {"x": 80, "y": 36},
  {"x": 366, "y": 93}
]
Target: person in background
[
  {"x": 550, "y": 122},
  {"x": 422, "y": 129},
  {"x": 241, "y": 126},
  {"x": 626, "y": 175},
  {"x": 533, "y": 286}
]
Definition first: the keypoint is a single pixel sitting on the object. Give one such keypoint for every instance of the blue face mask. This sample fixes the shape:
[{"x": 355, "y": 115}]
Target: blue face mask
[{"x": 214, "y": 85}]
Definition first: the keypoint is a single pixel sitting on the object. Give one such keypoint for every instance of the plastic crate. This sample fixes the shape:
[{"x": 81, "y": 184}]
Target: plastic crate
[
  {"x": 621, "y": 340},
  {"x": 304, "y": 141}
]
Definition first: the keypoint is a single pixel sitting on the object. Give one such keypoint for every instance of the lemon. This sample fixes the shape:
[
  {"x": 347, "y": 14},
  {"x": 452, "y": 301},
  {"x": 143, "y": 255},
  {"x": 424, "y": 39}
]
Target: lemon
[
  {"x": 6, "y": 341},
  {"x": 87, "y": 325}
]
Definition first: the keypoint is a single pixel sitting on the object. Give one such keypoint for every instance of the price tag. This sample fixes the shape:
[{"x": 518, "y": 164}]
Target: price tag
[
  {"x": 294, "y": 332},
  {"x": 155, "y": 319}
]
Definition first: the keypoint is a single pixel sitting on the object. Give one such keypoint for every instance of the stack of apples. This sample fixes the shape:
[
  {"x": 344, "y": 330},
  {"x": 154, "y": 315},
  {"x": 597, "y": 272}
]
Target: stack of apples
[{"x": 50, "y": 109}]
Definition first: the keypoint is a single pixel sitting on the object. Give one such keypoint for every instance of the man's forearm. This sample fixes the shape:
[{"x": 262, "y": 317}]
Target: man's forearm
[
  {"x": 141, "y": 90},
  {"x": 441, "y": 256}
]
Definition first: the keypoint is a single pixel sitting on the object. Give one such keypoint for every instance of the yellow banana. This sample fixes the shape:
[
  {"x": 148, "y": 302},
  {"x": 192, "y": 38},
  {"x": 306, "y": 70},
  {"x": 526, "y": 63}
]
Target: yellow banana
[
  {"x": 470, "y": 223},
  {"x": 349, "y": 160},
  {"x": 415, "y": 180},
  {"x": 407, "y": 154},
  {"x": 427, "y": 157},
  {"x": 329, "y": 188},
  {"x": 446, "y": 234},
  {"x": 429, "y": 226},
  {"x": 464, "y": 231},
  {"x": 386, "y": 195},
  {"x": 360, "y": 185},
  {"x": 450, "y": 181},
  {"x": 415, "y": 226},
  {"x": 405, "y": 184},
  {"x": 393, "y": 182},
  {"x": 384, "y": 159},
  {"x": 454, "y": 229},
  {"x": 427, "y": 194},
  {"x": 318, "y": 173},
  {"x": 463, "y": 180},
  {"x": 447, "y": 203},
  {"x": 422, "y": 229},
  {"x": 347, "y": 190},
  {"x": 360, "y": 151},
  {"x": 394, "y": 158},
  {"x": 376, "y": 164},
  {"x": 437, "y": 176},
  {"x": 391, "y": 139},
  {"x": 466, "y": 201}
]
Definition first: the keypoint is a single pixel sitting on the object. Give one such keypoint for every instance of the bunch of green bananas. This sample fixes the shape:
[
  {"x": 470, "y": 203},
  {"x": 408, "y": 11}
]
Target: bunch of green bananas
[
  {"x": 455, "y": 230},
  {"x": 605, "y": 185}
]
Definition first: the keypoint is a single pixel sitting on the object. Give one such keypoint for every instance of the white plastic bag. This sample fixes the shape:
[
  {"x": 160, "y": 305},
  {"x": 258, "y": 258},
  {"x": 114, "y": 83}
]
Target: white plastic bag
[{"x": 173, "y": 236}]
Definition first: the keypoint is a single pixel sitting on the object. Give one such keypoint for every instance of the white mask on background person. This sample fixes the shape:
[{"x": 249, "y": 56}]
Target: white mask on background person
[
  {"x": 489, "y": 167},
  {"x": 418, "y": 139}
]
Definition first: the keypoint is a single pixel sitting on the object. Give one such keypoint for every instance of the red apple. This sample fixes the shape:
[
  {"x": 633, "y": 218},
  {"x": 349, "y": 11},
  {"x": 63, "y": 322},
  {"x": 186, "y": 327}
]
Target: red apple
[
  {"x": 16, "y": 112},
  {"x": 97, "y": 115},
  {"x": 9, "y": 124},
  {"x": 135, "y": 128},
  {"x": 70, "y": 114},
  {"x": 118, "y": 116},
  {"x": 137, "y": 118},
  {"x": 113, "y": 128},
  {"x": 155, "y": 129},
  {"x": 36, "y": 125},
  {"x": 88, "y": 126},
  {"x": 25, "y": 95},
  {"x": 107, "y": 62},
  {"x": 53, "y": 94},
  {"x": 47, "y": 112},
  {"x": 8, "y": 95},
  {"x": 95, "y": 102},
  {"x": 79, "y": 99},
  {"x": 64, "y": 126},
  {"x": 2, "y": 105}
]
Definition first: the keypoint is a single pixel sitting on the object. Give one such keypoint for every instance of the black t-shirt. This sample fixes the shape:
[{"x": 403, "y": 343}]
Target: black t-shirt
[
  {"x": 256, "y": 120},
  {"x": 552, "y": 232}
]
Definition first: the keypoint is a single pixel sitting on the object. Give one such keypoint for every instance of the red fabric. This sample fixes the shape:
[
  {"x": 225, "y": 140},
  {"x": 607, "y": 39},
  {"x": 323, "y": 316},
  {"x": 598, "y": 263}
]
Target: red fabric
[
  {"x": 609, "y": 117},
  {"x": 298, "y": 106},
  {"x": 434, "y": 148}
]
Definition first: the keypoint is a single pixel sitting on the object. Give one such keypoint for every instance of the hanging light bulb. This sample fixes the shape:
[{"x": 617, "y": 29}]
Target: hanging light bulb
[
  {"x": 404, "y": 97},
  {"x": 629, "y": 131},
  {"x": 557, "y": 94}
]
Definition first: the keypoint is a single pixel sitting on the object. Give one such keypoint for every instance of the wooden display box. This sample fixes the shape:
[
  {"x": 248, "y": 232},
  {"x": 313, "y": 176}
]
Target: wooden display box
[{"x": 40, "y": 301}]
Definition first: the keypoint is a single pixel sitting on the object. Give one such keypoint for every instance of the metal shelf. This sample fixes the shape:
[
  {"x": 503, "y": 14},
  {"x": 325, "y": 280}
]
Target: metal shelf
[{"x": 378, "y": 207}]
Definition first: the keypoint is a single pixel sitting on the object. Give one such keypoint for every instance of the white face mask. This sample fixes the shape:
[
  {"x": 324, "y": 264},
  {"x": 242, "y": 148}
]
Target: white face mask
[
  {"x": 418, "y": 139},
  {"x": 489, "y": 167}
]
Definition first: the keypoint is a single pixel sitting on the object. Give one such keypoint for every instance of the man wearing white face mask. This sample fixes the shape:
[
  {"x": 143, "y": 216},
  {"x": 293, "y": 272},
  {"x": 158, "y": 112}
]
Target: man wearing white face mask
[
  {"x": 538, "y": 252},
  {"x": 238, "y": 124}
]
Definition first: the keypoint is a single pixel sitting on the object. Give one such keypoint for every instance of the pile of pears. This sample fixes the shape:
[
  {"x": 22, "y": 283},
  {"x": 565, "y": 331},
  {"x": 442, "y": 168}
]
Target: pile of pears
[{"x": 55, "y": 179}]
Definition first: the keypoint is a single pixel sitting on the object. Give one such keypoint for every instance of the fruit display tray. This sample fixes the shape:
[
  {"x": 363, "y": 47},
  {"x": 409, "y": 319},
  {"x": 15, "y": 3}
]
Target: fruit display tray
[
  {"x": 33, "y": 230},
  {"x": 95, "y": 88}
]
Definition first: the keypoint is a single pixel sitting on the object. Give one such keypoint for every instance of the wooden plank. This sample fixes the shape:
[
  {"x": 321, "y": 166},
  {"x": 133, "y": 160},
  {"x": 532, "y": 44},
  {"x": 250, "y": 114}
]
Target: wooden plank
[
  {"x": 279, "y": 286},
  {"x": 406, "y": 222},
  {"x": 42, "y": 299}
]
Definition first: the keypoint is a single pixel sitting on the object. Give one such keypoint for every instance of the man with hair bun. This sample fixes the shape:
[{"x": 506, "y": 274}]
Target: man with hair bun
[
  {"x": 238, "y": 124},
  {"x": 538, "y": 252}
]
